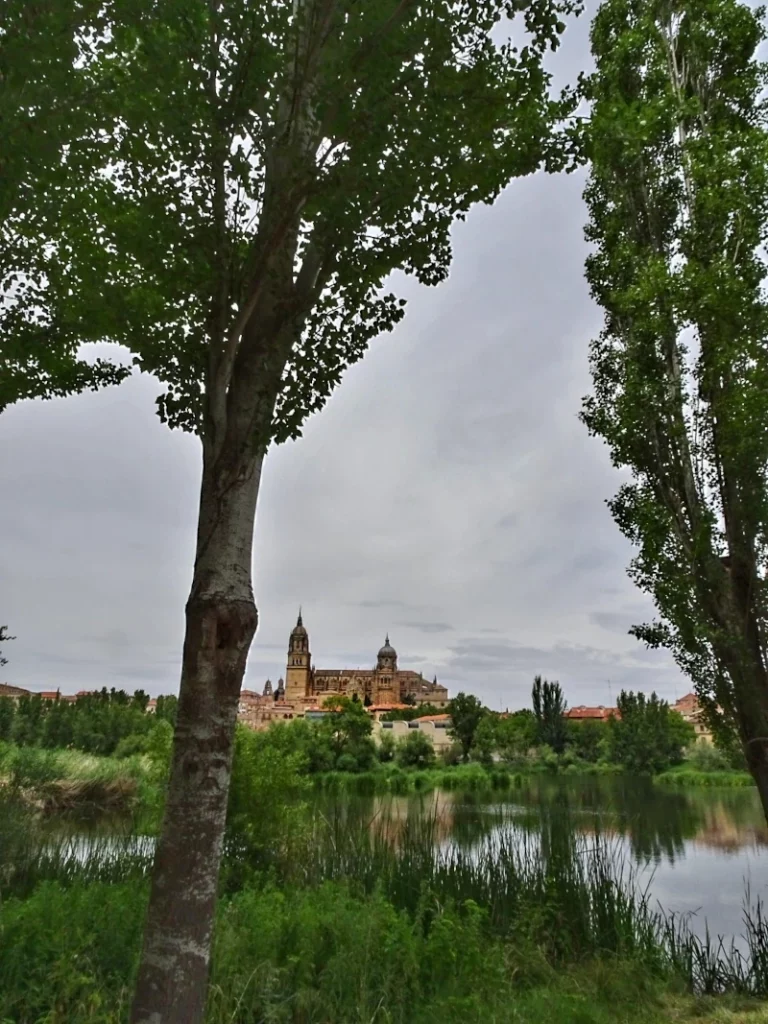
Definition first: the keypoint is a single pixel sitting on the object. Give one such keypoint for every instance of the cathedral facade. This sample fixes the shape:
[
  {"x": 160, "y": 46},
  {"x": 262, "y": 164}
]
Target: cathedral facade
[{"x": 385, "y": 683}]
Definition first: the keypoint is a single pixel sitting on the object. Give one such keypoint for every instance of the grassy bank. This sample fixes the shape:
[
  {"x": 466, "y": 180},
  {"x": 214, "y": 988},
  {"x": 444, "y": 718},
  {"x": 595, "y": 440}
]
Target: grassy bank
[
  {"x": 53, "y": 781},
  {"x": 322, "y": 955},
  {"x": 684, "y": 776},
  {"x": 477, "y": 777}
]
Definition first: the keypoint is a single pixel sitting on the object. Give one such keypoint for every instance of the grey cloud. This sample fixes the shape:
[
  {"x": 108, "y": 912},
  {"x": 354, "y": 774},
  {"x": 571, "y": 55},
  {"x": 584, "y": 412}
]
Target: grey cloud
[
  {"x": 614, "y": 622},
  {"x": 428, "y": 627}
]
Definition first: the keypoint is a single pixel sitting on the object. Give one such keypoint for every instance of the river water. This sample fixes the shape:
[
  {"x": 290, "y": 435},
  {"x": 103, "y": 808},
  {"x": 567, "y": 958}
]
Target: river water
[{"x": 696, "y": 852}]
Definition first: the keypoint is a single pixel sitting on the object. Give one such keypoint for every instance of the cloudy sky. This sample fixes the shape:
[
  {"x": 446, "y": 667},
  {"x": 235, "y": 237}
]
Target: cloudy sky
[{"x": 447, "y": 494}]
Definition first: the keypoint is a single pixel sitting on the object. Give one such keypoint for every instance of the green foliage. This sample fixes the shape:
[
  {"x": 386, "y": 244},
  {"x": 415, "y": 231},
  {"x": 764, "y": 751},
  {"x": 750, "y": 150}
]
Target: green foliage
[
  {"x": 588, "y": 739},
  {"x": 265, "y": 814},
  {"x": 647, "y": 736},
  {"x": 705, "y": 757},
  {"x": 549, "y": 709},
  {"x": 7, "y": 715},
  {"x": 190, "y": 178},
  {"x": 466, "y": 713},
  {"x": 692, "y": 777},
  {"x": 415, "y": 750},
  {"x": 678, "y": 205},
  {"x": 49, "y": 106},
  {"x": 108, "y": 722},
  {"x": 386, "y": 748},
  {"x": 484, "y": 742},
  {"x": 348, "y": 734},
  {"x": 322, "y": 954}
]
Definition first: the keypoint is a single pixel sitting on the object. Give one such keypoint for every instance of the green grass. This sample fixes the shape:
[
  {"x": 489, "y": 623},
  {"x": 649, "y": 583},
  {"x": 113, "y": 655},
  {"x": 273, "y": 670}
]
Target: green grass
[
  {"x": 326, "y": 955},
  {"x": 684, "y": 776}
]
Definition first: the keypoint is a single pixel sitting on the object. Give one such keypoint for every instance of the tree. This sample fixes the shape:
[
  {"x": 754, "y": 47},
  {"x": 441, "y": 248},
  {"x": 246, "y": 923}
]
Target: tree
[
  {"x": 587, "y": 739},
  {"x": 3, "y": 638},
  {"x": 348, "y": 730},
  {"x": 485, "y": 740},
  {"x": 647, "y": 735},
  {"x": 265, "y": 168},
  {"x": 516, "y": 734},
  {"x": 386, "y": 748},
  {"x": 678, "y": 203},
  {"x": 7, "y": 714},
  {"x": 466, "y": 713},
  {"x": 549, "y": 708},
  {"x": 415, "y": 750}
]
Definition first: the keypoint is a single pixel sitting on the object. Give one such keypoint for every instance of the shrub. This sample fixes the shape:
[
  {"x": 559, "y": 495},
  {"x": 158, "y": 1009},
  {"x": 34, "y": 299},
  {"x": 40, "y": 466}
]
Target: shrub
[
  {"x": 705, "y": 757},
  {"x": 415, "y": 751}
]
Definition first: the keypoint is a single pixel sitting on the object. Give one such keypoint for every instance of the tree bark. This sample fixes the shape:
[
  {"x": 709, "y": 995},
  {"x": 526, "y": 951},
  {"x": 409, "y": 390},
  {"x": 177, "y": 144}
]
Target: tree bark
[{"x": 221, "y": 621}]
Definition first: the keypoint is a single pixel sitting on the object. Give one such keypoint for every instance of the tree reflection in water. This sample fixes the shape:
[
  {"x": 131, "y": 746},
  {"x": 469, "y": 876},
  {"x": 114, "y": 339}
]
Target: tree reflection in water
[{"x": 655, "y": 823}]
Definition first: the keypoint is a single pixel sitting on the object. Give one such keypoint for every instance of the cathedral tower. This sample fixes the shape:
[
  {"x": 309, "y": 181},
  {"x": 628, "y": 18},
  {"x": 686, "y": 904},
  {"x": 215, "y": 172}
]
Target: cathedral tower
[
  {"x": 385, "y": 686},
  {"x": 297, "y": 672}
]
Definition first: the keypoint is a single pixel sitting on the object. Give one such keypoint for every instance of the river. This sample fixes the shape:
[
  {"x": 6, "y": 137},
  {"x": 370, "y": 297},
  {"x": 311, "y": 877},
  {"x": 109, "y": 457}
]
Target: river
[{"x": 696, "y": 851}]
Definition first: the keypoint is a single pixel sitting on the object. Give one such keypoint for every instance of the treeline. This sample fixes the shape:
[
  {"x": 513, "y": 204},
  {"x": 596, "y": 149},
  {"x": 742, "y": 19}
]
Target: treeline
[
  {"x": 343, "y": 741},
  {"x": 646, "y": 736},
  {"x": 108, "y": 722}
]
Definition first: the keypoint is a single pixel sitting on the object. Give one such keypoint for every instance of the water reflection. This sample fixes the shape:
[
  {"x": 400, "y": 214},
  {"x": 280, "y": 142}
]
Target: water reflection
[
  {"x": 695, "y": 850},
  {"x": 658, "y": 824}
]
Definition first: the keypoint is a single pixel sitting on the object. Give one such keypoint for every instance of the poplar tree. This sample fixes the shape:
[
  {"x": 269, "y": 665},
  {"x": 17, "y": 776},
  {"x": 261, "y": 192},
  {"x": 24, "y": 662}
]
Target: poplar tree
[
  {"x": 678, "y": 204},
  {"x": 264, "y": 168}
]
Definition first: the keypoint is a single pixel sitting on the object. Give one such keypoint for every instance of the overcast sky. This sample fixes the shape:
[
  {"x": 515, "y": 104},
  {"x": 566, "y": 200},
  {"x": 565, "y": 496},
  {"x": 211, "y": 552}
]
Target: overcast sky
[{"x": 447, "y": 494}]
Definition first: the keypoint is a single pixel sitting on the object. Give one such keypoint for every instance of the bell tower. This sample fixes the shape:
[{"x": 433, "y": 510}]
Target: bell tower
[{"x": 299, "y": 659}]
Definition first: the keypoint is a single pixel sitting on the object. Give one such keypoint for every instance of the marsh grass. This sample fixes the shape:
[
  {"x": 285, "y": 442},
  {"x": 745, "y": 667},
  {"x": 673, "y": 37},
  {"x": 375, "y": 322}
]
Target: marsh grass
[{"x": 689, "y": 777}]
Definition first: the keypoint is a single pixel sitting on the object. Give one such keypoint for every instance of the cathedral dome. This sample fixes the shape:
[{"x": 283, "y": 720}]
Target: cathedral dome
[{"x": 387, "y": 651}]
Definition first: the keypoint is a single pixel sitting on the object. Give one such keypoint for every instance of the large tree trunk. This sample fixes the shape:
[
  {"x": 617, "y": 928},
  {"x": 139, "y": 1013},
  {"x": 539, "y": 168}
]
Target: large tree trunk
[{"x": 221, "y": 621}]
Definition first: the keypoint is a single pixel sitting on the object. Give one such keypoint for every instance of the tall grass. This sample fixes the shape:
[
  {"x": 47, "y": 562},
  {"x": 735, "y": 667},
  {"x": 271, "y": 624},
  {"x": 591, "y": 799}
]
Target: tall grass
[{"x": 716, "y": 779}]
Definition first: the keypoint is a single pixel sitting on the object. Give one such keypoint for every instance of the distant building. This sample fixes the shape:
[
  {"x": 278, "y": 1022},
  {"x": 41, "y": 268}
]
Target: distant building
[
  {"x": 6, "y": 690},
  {"x": 588, "y": 714},
  {"x": 690, "y": 709},
  {"x": 385, "y": 683},
  {"x": 435, "y": 727}
]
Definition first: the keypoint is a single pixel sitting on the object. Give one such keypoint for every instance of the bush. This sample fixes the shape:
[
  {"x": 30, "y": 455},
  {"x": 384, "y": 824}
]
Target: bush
[
  {"x": 705, "y": 757},
  {"x": 386, "y": 749},
  {"x": 450, "y": 756},
  {"x": 415, "y": 751}
]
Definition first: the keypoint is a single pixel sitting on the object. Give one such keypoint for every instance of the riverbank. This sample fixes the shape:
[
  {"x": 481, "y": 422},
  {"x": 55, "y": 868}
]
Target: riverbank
[
  {"x": 686, "y": 777},
  {"x": 329, "y": 955}
]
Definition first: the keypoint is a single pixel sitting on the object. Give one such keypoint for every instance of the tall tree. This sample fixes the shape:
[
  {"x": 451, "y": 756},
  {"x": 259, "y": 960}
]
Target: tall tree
[
  {"x": 265, "y": 167},
  {"x": 549, "y": 707},
  {"x": 466, "y": 713},
  {"x": 678, "y": 203},
  {"x": 647, "y": 735}
]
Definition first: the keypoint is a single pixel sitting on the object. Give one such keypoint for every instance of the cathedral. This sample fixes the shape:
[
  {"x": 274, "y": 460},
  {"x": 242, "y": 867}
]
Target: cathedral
[{"x": 383, "y": 684}]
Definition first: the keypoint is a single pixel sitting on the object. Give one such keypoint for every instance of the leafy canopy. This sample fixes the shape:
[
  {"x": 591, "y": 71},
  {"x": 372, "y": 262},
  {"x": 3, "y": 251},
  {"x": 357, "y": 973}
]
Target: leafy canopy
[
  {"x": 47, "y": 107},
  {"x": 310, "y": 149}
]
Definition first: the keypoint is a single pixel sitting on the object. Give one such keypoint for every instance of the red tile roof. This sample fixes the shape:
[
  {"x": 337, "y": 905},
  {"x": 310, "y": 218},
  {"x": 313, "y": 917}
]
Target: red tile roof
[
  {"x": 49, "y": 694},
  {"x": 432, "y": 718},
  {"x": 600, "y": 713}
]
